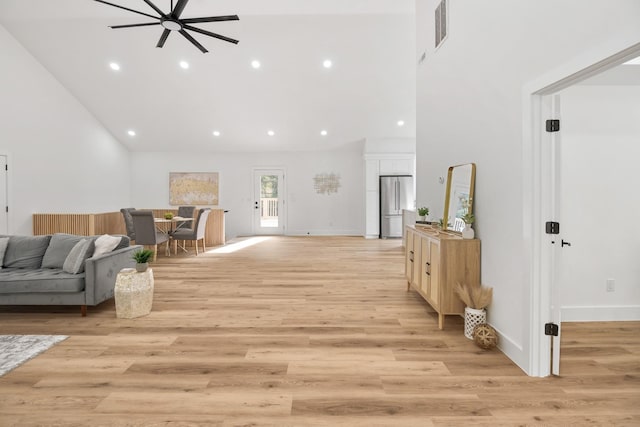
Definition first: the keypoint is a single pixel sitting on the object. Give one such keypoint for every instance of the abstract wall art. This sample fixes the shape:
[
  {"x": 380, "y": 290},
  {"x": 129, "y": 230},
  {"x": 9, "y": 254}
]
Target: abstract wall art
[
  {"x": 193, "y": 188},
  {"x": 326, "y": 183}
]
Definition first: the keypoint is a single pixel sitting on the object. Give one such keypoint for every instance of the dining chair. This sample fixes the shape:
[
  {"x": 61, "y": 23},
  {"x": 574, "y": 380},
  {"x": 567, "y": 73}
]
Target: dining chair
[
  {"x": 128, "y": 223},
  {"x": 185, "y": 212},
  {"x": 197, "y": 232},
  {"x": 146, "y": 232}
]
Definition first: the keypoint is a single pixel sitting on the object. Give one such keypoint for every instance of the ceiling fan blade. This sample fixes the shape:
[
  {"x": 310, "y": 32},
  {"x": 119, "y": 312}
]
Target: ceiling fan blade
[
  {"x": 194, "y": 41},
  {"x": 134, "y": 25},
  {"x": 154, "y": 7},
  {"x": 126, "y": 8},
  {"x": 210, "y": 34},
  {"x": 210, "y": 19},
  {"x": 163, "y": 38},
  {"x": 177, "y": 11}
]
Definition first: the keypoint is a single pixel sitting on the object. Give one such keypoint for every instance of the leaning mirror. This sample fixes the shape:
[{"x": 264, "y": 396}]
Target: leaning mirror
[{"x": 459, "y": 196}]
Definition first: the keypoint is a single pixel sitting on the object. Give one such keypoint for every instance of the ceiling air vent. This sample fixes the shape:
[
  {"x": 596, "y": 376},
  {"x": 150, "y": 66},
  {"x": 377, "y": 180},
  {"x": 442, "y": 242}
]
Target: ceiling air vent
[{"x": 441, "y": 22}]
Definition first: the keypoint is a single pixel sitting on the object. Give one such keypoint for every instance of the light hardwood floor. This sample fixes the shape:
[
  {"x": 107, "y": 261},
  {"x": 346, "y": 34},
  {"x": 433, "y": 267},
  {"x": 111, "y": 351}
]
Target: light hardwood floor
[{"x": 302, "y": 331}]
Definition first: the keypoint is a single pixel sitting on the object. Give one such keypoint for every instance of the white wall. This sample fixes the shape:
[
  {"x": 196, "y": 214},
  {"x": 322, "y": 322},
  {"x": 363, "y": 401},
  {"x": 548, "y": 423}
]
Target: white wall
[
  {"x": 307, "y": 211},
  {"x": 600, "y": 148},
  {"x": 61, "y": 159},
  {"x": 469, "y": 109}
]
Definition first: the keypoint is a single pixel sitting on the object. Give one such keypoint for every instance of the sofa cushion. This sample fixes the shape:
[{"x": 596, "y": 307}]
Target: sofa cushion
[
  {"x": 125, "y": 242},
  {"x": 58, "y": 250},
  {"x": 25, "y": 251},
  {"x": 74, "y": 263},
  {"x": 105, "y": 244},
  {"x": 24, "y": 281},
  {"x": 4, "y": 241}
]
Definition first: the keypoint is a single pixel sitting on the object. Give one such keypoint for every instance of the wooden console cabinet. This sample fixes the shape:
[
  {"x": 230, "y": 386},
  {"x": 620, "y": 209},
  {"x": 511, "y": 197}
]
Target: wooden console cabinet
[{"x": 435, "y": 261}]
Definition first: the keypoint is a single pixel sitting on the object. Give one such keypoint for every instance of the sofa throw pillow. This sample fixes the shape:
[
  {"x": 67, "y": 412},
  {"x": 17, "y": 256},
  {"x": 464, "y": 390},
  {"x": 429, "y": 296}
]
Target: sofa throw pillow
[
  {"x": 74, "y": 263},
  {"x": 4, "y": 241},
  {"x": 25, "y": 251},
  {"x": 105, "y": 244},
  {"x": 58, "y": 250}
]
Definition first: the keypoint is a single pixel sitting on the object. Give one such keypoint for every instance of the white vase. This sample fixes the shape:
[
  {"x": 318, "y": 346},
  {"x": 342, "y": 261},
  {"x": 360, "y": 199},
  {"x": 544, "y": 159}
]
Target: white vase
[
  {"x": 468, "y": 232},
  {"x": 422, "y": 217},
  {"x": 472, "y": 318}
]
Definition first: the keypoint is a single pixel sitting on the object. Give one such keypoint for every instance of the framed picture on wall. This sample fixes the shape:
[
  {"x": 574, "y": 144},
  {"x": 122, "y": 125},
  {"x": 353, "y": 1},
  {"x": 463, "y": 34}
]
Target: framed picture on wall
[{"x": 193, "y": 188}]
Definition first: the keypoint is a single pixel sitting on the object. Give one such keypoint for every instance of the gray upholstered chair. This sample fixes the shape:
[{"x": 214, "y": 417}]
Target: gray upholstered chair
[
  {"x": 185, "y": 212},
  {"x": 197, "y": 232},
  {"x": 146, "y": 232},
  {"x": 128, "y": 222}
]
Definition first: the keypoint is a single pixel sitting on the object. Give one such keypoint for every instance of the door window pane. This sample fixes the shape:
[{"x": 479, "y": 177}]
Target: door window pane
[{"x": 268, "y": 200}]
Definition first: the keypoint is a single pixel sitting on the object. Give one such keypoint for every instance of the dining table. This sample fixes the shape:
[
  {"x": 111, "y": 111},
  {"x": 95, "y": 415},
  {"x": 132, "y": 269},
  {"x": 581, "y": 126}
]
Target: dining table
[{"x": 169, "y": 225}]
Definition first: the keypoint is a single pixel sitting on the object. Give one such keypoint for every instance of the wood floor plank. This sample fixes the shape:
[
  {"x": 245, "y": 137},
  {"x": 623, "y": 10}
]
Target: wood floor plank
[
  {"x": 341, "y": 367},
  {"x": 302, "y": 331},
  {"x": 211, "y": 403}
]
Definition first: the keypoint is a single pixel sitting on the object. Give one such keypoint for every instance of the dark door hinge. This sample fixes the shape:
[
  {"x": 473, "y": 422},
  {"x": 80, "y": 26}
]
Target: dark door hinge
[
  {"x": 552, "y": 125},
  {"x": 552, "y": 227},
  {"x": 551, "y": 329}
]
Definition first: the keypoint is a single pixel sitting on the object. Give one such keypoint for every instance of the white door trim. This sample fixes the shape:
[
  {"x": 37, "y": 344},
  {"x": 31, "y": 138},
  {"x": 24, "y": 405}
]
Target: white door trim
[{"x": 536, "y": 167}]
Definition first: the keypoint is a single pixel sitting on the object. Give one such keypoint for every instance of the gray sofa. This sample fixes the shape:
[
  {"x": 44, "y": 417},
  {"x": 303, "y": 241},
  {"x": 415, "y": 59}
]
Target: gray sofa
[{"x": 61, "y": 269}]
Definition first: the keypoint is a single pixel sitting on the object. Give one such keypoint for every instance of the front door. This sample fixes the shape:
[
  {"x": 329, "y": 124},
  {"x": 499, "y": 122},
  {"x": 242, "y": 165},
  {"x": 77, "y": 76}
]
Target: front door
[{"x": 268, "y": 206}]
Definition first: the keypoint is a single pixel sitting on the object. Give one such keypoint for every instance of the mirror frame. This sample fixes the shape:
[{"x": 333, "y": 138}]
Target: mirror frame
[{"x": 472, "y": 184}]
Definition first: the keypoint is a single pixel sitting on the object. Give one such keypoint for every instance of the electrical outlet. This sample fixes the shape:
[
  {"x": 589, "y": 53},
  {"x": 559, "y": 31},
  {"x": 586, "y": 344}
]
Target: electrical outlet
[{"x": 611, "y": 285}]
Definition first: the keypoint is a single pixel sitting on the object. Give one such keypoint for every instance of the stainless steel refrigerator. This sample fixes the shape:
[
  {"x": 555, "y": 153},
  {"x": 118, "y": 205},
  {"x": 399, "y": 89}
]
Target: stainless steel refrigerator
[{"x": 396, "y": 194}]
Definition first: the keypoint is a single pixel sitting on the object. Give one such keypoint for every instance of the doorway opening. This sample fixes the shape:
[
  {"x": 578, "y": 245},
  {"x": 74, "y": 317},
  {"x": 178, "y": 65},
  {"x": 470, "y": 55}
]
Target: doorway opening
[{"x": 543, "y": 179}]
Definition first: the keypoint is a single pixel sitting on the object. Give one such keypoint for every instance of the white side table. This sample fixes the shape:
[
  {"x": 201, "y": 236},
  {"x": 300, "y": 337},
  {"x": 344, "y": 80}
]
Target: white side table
[{"x": 133, "y": 293}]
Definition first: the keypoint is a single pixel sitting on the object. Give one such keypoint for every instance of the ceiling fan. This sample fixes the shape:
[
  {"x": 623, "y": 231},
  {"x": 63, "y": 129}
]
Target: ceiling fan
[{"x": 172, "y": 22}]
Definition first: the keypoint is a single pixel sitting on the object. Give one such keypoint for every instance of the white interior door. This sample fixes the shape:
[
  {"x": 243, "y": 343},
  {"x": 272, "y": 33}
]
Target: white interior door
[
  {"x": 4, "y": 202},
  {"x": 268, "y": 206}
]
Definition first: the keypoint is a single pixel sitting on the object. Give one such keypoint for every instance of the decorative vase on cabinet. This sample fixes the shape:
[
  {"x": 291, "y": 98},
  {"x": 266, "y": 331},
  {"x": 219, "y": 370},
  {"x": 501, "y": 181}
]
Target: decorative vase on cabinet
[{"x": 468, "y": 232}]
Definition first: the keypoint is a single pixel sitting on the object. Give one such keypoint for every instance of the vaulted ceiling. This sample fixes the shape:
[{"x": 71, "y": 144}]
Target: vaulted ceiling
[{"x": 369, "y": 88}]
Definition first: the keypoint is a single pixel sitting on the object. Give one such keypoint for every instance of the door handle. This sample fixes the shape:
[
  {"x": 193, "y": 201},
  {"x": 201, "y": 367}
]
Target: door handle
[{"x": 565, "y": 243}]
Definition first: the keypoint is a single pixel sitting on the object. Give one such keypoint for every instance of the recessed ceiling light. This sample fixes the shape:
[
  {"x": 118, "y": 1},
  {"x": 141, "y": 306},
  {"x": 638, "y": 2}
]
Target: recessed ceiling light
[
  {"x": 216, "y": 133},
  {"x": 271, "y": 133},
  {"x": 400, "y": 123},
  {"x": 114, "y": 66},
  {"x": 323, "y": 132},
  {"x": 131, "y": 133},
  {"x": 255, "y": 64},
  {"x": 327, "y": 63},
  {"x": 184, "y": 64}
]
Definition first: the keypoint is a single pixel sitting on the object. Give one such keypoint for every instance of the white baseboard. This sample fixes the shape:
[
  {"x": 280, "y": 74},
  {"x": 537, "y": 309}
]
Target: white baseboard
[
  {"x": 334, "y": 232},
  {"x": 512, "y": 350},
  {"x": 600, "y": 313}
]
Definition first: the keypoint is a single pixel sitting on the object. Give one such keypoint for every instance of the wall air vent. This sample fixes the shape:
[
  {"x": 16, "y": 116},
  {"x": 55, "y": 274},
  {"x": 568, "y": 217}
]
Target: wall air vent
[{"x": 441, "y": 26}]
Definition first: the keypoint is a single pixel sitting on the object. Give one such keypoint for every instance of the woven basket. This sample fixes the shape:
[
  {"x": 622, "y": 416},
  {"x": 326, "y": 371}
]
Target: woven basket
[{"x": 472, "y": 318}]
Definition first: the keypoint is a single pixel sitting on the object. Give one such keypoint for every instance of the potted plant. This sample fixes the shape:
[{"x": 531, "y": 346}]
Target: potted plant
[
  {"x": 423, "y": 212},
  {"x": 476, "y": 299},
  {"x": 467, "y": 231},
  {"x": 142, "y": 259},
  {"x": 168, "y": 215}
]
